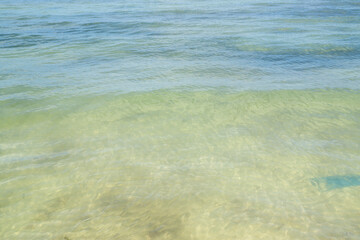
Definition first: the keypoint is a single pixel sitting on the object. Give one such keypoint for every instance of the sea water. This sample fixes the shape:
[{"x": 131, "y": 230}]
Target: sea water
[{"x": 150, "y": 120}]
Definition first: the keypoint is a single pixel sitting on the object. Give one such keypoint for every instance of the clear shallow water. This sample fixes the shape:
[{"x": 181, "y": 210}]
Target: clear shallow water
[{"x": 181, "y": 120}]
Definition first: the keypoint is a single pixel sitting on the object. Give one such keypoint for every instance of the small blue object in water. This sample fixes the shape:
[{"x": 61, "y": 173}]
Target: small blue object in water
[{"x": 335, "y": 182}]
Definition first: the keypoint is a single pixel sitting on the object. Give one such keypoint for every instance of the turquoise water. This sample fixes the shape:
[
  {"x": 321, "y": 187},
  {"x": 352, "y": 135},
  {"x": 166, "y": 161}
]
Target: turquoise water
[{"x": 179, "y": 119}]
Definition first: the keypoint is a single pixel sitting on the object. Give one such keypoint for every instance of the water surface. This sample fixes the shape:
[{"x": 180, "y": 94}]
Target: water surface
[{"x": 179, "y": 120}]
